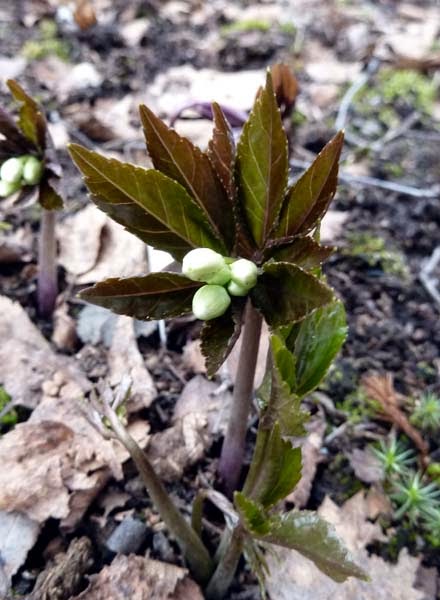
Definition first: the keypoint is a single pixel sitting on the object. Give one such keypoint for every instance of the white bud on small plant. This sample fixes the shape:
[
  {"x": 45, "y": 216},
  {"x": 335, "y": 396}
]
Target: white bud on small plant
[
  {"x": 32, "y": 170},
  {"x": 203, "y": 264},
  {"x": 244, "y": 273},
  {"x": 236, "y": 290},
  {"x": 210, "y": 302},
  {"x": 12, "y": 170},
  {"x": 6, "y": 188}
]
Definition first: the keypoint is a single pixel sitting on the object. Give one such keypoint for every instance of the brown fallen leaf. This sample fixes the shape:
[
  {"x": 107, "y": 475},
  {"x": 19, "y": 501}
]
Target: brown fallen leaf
[
  {"x": 93, "y": 247},
  {"x": 27, "y": 360},
  {"x": 205, "y": 398},
  {"x": 192, "y": 357},
  {"x": 84, "y": 14},
  {"x": 16, "y": 246},
  {"x": 293, "y": 577},
  {"x": 125, "y": 359},
  {"x": 366, "y": 465},
  {"x": 138, "y": 578},
  {"x": 381, "y": 389},
  {"x": 311, "y": 457}
]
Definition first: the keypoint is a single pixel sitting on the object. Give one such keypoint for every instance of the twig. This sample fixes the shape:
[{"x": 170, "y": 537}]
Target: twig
[
  {"x": 431, "y": 283},
  {"x": 407, "y": 190},
  {"x": 350, "y": 94}
]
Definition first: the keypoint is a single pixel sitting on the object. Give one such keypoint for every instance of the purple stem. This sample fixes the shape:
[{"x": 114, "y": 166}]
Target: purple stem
[{"x": 47, "y": 286}]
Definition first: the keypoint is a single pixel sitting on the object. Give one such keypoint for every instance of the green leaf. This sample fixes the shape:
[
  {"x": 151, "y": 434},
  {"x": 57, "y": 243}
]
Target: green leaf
[
  {"x": 302, "y": 251},
  {"x": 305, "y": 532},
  {"x": 15, "y": 143},
  {"x": 308, "y": 199},
  {"x": 276, "y": 395},
  {"x": 285, "y": 293},
  {"x": 113, "y": 182},
  {"x": 221, "y": 151},
  {"x": 219, "y": 335},
  {"x": 152, "y": 297},
  {"x": 316, "y": 343},
  {"x": 179, "y": 159},
  {"x": 32, "y": 121},
  {"x": 262, "y": 165},
  {"x": 48, "y": 196},
  {"x": 275, "y": 469}
]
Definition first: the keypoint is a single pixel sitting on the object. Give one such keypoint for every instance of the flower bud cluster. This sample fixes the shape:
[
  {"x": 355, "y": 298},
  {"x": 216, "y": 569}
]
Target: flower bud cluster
[
  {"x": 224, "y": 277},
  {"x": 18, "y": 171}
]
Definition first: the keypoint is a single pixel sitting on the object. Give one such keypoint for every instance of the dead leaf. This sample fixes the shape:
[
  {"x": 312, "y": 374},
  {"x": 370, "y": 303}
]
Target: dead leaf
[
  {"x": 205, "y": 398},
  {"x": 124, "y": 359},
  {"x": 366, "y": 465},
  {"x": 64, "y": 329},
  {"x": 18, "y": 535},
  {"x": 139, "y": 578},
  {"x": 173, "y": 450},
  {"x": 293, "y": 577},
  {"x": 377, "y": 503},
  {"x": 311, "y": 457},
  {"x": 27, "y": 359},
  {"x": 192, "y": 357},
  {"x": 84, "y": 14},
  {"x": 16, "y": 246},
  {"x": 332, "y": 225},
  {"x": 381, "y": 389}
]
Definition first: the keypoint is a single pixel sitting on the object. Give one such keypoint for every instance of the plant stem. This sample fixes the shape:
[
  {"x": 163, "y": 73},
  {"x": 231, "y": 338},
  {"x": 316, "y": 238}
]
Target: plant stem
[
  {"x": 190, "y": 543},
  {"x": 225, "y": 571},
  {"x": 231, "y": 459},
  {"x": 47, "y": 287}
]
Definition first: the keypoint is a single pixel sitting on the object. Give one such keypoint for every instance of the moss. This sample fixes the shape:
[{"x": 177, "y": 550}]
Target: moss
[
  {"x": 10, "y": 418},
  {"x": 47, "y": 43},
  {"x": 246, "y": 25},
  {"x": 408, "y": 85},
  {"x": 373, "y": 250},
  {"x": 358, "y": 407}
]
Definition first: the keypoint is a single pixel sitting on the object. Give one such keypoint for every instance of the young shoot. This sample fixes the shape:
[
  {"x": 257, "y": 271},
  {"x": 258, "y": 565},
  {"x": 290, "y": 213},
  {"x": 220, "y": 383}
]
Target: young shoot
[
  {"x": 415, "y": 498},
  {"x": 394, "y": 457},
  {"x": 426, "y": 414}
]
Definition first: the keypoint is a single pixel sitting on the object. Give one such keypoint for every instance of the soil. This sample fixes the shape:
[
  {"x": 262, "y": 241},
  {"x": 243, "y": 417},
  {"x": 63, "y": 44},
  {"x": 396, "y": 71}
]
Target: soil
[{"x": 393, "y": 321}]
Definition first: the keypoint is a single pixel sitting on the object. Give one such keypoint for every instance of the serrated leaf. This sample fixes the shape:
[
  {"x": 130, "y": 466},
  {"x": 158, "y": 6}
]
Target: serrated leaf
[
  {"x": 152, "y": 297},
  {"x": 48, "y": 197},
  {"x": 15, "y": 142},
  {"x": 308, "y": 199},
  {"x": 303, "y": 531},
  {"x": 262, "y": 165},
  {"x": 302, "y": 251},
  {"x": 277, "y": 398},
  {"x": 219, "y": 335},
  {"x": 113, "y": 182},
  {"x": 179, "y": 159},
  {"x": 285, "y": 293},
  {"x": 315, "y": 344},
  {"x": 32, "y": 121},
  {"x": 286, "y": 87},
  {"x": 221, "y": 150},
  {"x": 275, "y": 469}
]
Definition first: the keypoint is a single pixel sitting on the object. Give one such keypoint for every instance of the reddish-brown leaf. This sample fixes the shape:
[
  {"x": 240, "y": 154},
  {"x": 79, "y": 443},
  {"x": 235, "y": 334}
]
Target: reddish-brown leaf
[
  {"x": 32, "y": 121},
  {"x": 221, "y": 150},
  {"x": 262, "y": 165},
  {"x": 308, "y": 199},
  {"x": 179, "y": 159},
  {"x": 302, "y": 251}
]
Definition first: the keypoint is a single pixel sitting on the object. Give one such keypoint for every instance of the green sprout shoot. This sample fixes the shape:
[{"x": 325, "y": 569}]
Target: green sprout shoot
[
  {"x": 426, "y": 415},
  {"x": 394, "y": 457},
  {"x": 414, "y": 498}
]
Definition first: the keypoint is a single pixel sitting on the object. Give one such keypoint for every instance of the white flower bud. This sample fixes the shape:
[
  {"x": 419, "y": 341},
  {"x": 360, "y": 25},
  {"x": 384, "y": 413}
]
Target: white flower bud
[
  {"x": 244, "y": 273},
  {"x": 203, "y": 264},
  {"x": 32, "y": 170},
  {"x": 11, "y": 170},
  {"x": 236, "y": 290},
  {"x": 210, "y": 302},
  {"x": 6, "y": 188}
]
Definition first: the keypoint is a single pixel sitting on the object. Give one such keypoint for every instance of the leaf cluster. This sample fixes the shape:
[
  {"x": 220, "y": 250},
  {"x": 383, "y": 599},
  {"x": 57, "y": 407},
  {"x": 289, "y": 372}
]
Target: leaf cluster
[
  {"x": 233, "y": 199},
  {"x": 29, "y": 135}
]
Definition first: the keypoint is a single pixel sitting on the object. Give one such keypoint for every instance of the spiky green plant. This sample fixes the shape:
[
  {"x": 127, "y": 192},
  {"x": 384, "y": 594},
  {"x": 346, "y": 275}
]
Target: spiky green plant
[
  {"x": 431, "y": 524},
  {"x": 415, "y": 498},
  {"x": 426, "y": 414},
  {"x": 394, "y": 457}
]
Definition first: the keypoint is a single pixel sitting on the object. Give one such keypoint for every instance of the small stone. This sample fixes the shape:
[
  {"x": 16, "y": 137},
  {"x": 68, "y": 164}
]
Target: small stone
[{"x": 128, "y": 536}]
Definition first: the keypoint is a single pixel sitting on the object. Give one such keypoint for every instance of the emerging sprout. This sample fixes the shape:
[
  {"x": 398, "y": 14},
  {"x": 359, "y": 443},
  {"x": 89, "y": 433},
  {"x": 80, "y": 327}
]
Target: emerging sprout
[
  {"x": 394, "y": 457},
  {"x": 427, "y": 413},
  {"x": 244, "y": 273},
  {"x": 32, "y": 170},
  {"x": 415, "y": 498},
  {"x": 203, "y": 264},
  {"x": 12, "y": 170},
  {"x": 210, "y": 302}
]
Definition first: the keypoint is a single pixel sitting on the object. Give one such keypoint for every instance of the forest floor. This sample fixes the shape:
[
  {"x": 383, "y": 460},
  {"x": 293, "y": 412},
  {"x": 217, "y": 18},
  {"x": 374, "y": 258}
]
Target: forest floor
[{"x": 372, "y": 68}]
